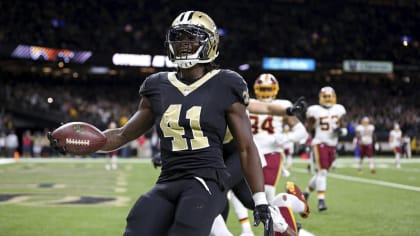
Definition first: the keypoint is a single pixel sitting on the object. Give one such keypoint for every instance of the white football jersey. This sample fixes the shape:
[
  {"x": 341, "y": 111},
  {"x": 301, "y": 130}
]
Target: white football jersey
[
  {"x": 395, "y": 138},
  {"x": 289, "y": 145},
  {"x": 366, "y": 133},
  {"x": 265, "y": 126},
  {"x": 326, "y": 120}
]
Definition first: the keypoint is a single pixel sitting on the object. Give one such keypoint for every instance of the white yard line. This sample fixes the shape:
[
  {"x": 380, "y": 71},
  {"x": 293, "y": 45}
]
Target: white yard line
[
  {"x": 73, "y": 160},
  {"x": 6, "y": 160},
  {"x": 304, "y": 232},
  {"x": 377, "y": 160},
  {"x": 369, "y": 181}
]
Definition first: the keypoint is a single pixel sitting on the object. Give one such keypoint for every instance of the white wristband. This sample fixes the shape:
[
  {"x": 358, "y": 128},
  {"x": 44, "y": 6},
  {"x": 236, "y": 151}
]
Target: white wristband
[
  {"x": 260, "y": 198},
  {"x": 344, "y": 132}
]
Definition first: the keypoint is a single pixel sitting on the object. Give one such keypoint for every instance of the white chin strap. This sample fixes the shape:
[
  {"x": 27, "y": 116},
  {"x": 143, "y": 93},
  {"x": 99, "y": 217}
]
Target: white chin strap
[
  {"x": 185, "y": 64},
  {"x": 191, "y": 60},
  {"x": 188, "y": 63}
]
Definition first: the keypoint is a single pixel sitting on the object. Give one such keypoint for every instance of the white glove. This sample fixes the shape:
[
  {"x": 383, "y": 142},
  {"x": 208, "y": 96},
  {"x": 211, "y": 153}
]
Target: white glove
[{"x": 279, "y": 223}]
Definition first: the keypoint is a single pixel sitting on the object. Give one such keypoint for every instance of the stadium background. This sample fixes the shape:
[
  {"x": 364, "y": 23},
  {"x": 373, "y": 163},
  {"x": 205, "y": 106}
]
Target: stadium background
[{"x": 64, "y": 50}]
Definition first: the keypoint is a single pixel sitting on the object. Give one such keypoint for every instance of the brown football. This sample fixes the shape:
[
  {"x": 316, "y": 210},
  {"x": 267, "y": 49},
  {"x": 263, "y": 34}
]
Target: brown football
[{"x": 79, "y": 138}]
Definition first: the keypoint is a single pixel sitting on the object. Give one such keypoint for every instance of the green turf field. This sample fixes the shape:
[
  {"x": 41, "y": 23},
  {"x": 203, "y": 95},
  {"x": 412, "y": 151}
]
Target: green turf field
[{"x": 69, "y": 197}]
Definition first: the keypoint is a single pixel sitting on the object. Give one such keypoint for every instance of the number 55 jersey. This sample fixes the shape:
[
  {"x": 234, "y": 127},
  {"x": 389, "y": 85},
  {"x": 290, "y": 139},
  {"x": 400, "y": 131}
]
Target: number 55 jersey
[{"x": 326, "y": 120}]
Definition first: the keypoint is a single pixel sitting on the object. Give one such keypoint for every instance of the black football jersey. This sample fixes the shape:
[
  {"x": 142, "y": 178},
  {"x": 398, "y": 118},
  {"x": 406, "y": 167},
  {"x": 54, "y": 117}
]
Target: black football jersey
[{"x": 190, "y": 119}]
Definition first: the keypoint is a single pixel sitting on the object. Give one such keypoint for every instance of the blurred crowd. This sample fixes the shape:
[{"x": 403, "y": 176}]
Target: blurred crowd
[
  {"x": 101, "y": 101},
  {"x": 106, "y": 100},
  {"x": 326, "y": 30},
  {"x": 95, "y": 101}
]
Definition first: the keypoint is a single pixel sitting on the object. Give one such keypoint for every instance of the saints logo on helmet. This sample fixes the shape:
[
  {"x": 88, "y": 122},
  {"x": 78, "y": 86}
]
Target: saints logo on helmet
[
  {"x": 266, "y": 87},
  {"x": 191, "y": 39},
  {"x": 327, "y": 97}
]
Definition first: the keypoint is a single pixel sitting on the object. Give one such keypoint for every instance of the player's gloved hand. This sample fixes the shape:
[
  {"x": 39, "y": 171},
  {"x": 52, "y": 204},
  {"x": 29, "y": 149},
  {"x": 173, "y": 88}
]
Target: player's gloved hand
[
  {"x": 262, "y": 214},
  {"x": 54, "y": 144},
  {"x": 298, "y": 108},
  {"x": 337, "y": 131},
  {"x": 340, "y": 131},
  {"x": 156, "y": 160}
]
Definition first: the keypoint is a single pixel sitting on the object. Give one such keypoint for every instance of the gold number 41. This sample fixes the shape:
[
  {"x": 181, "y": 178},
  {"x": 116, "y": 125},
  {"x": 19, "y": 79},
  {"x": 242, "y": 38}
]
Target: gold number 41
[{"x": 171, "y": 128}]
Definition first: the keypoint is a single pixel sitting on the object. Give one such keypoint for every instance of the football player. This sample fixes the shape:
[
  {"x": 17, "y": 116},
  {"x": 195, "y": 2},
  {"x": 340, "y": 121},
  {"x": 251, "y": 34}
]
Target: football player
[
  {"x": 269, "y": 137},
  {"x": 364, "y": 133},
  {"x": 394, "y": 140},
  {"x": 240, "y": 193},
  {"x": 268, "y": 130},
  {"x": 239, "y": 188},
  {"x": 289, "y": 148},
  {"x": 326, "y": 120},
  {"x": 289, "y": 203},
  {"x": 191, "y": 109}
]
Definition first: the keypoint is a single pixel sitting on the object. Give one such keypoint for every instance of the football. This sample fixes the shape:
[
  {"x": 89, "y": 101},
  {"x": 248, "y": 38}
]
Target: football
[{"x": 79, "y": 138}]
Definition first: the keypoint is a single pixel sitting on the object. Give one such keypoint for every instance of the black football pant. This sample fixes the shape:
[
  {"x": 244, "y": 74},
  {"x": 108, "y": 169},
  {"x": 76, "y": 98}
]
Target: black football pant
[
  {"x": 185, "y": 207},
  {"x": 237, "y": 183}
]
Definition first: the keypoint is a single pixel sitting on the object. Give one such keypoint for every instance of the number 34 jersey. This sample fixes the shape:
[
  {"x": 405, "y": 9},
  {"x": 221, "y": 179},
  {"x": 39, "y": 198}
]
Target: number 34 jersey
[
  {"x": 191, "y": 118},
  {"x": 264, "y": 127}
]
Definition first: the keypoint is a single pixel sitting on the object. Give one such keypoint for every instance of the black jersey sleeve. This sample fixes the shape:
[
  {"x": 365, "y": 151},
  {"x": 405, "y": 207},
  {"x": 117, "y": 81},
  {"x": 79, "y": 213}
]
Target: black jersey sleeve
[
  {"x": 237, "y": 86},
  {"x": 151, "y": 84}
]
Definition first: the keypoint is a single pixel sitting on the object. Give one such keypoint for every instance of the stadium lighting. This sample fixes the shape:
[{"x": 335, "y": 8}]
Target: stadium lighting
[
  {"x": 244, "y": 67},
  {"x": 293, "y": 64},
  {"x": 142, "y": 60}
]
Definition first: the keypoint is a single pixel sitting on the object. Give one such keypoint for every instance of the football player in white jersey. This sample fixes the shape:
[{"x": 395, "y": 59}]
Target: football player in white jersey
[
  {"x": 289, "y": 149},
  {"x": 394, "y": 140},
  {"x": 267, "y": 128},
  {"x": 326, "y": 121},
  {"x": 364, "y": 133}
]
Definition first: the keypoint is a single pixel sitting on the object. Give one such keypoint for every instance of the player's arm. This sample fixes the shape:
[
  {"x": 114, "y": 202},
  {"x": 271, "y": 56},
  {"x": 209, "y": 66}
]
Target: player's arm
[
  {"x": 341, "y": 130},
  {"x": 357, "y": 133},
  {"x": 310, "y": 124},
  {"x": 258, "y": 107},
  {"x": 240, "y": 128},
  {"x": 137, "y": 125},
  {"x": 297, "y": 132}
]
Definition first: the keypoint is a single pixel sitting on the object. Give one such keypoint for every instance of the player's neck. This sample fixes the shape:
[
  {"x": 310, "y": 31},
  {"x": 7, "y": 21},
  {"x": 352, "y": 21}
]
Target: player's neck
[{"x": 191, "y": 74}]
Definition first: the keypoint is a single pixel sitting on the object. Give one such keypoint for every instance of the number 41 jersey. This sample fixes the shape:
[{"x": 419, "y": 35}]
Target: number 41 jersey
[{"x": 191, "y": 118}]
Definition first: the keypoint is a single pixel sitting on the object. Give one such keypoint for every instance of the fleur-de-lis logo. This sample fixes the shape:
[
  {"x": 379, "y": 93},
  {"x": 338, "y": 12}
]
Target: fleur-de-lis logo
[{"x": 245, "y": 96}]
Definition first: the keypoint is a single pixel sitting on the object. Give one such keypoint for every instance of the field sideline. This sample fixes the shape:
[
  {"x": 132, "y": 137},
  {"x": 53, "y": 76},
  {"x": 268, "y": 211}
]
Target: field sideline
[{"x": 77, "y": 196}]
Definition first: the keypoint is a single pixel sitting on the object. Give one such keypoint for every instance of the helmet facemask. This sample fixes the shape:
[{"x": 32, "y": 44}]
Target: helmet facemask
[
  {"x": 327, "y": 97},
  {"x": 365, "y": 121},
  {"x": 266, "y": 87},
  {"x": 192, "y": 39}
]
